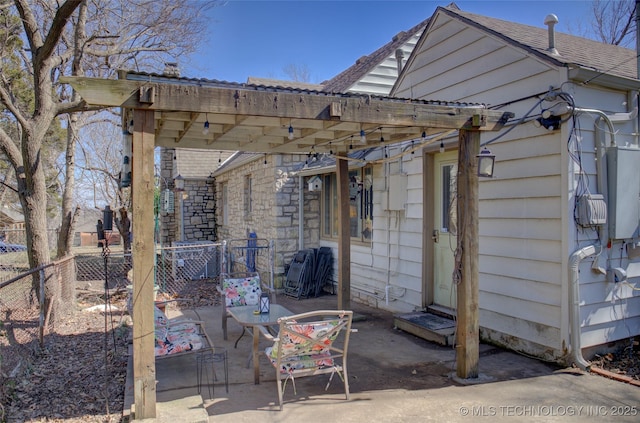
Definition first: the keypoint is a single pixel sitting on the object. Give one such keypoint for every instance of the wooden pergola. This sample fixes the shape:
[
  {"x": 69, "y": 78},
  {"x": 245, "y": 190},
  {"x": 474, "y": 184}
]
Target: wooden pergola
[{"x": 171, "y": 112}]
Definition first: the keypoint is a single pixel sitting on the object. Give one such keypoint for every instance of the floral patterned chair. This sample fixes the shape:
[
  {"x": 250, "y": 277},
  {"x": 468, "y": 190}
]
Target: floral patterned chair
[
  {"x": 238, "y": 289},
  {"x": 305, "y": 346},
  {"x": 178, "y": 336}
]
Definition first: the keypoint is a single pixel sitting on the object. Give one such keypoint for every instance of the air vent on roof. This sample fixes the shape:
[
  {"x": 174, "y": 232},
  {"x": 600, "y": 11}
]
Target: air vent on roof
[
  {"x": 551, "y": 20},
  {"x": 399, "y": 57},
  {"x": 171, "y": 69}
]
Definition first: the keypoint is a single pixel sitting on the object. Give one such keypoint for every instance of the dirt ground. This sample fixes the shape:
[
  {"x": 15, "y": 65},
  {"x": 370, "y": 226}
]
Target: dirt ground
[{"x": 70, "y": 382}]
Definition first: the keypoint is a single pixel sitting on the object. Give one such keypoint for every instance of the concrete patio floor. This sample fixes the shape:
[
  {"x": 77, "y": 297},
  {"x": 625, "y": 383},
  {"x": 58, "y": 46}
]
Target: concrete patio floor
[{"x": 393, "y": 376}]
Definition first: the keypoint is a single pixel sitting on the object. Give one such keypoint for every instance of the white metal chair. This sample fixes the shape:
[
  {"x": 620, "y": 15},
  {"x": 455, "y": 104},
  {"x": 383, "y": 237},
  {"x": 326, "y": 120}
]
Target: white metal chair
[{"x": 305, "y": 346}]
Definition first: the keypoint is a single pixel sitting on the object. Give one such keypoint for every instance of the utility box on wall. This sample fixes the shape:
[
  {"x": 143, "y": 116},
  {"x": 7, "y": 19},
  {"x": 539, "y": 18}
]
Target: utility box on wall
[
  {"x": 397, "y": 192},
  {"x": 623, "y": 186}
]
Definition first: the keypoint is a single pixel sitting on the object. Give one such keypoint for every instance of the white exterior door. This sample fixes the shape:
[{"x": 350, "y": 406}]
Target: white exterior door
[{"x": 444, "y": 234}]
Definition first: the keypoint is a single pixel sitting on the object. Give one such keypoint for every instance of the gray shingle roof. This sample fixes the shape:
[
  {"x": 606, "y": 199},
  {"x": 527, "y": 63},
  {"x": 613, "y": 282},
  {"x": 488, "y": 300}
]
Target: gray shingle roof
[
  {"x": 282, "y": 83},
  {"x": 590, "y": 54}
]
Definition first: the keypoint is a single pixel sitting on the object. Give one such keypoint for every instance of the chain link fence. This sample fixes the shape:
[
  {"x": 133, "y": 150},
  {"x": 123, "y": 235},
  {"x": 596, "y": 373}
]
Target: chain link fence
[
  {"x": 25, "y": 320},
  {"x": 180, "y": 269}
]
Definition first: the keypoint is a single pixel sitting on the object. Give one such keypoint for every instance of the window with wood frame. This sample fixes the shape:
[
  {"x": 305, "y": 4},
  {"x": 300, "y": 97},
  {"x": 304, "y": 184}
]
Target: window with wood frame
[
  {"x": 360, "y": 205},
  {"x": 248, "y": 206}
]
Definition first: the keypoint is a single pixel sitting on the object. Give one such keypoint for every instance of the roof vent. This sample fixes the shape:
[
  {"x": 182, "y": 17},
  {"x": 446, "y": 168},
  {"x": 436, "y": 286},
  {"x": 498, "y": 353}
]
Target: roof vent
[
  {"x": 399, "y": 57},
  {"x": 551, "y": 20},
  {"x": 171, "y": 69}
]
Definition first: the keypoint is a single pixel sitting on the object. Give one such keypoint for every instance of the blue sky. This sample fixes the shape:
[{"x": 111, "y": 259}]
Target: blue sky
[{"x": 261, "y": 38}]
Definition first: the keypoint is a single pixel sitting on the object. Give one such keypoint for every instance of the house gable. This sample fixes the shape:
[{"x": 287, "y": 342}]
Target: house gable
[{"x": 376, "y": 73}]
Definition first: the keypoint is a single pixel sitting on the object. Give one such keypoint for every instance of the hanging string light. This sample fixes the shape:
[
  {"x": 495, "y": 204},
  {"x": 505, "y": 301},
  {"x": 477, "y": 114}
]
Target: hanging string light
[
  {"x": 363, "y": 137},
  {"x": 381, "y": 137},
  {"x": 290, "y": 131},
  {"x": 424, "y": 136},
  {"x": 351, "y": 143},
  {"x": 330, "y": 149},
  {"x": 441, "y": 147},
  {"x": 412, "y": 149},
  {"x": 205, "y": 130},
  {"x": 265, "y": 159},
  {"x": 219, "y": 158}
]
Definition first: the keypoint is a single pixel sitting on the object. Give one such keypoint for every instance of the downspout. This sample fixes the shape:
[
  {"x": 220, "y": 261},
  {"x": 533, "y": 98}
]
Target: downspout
[
  {"x": 388, "y": 261},
  {"x": 300, "y": 212},
  {"x": 574, "y": 294}
]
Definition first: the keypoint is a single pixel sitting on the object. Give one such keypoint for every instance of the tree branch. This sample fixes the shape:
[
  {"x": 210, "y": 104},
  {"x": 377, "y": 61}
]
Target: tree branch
[
  {"x": 7, "y": 101},
  {"x": 57, "y": 28},
  {"x": 10, "y": 149}
]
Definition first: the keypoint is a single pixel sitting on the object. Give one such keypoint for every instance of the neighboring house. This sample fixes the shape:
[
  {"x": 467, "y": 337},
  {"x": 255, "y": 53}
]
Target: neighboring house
[
  {"x": 11, "y": 226},
  {"x": 552, "y": 261},
  {"x": 86, "y": 235}
]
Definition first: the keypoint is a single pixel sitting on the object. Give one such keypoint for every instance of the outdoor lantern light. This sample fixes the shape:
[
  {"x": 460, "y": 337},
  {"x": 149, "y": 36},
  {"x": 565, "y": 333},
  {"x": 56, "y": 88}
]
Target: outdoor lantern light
[
  {"x": 179, "y": 183},
  {"x": 264, "y": 303},
  {"x": 486, "y": 160},
  {"x": 363, "y": 137}
]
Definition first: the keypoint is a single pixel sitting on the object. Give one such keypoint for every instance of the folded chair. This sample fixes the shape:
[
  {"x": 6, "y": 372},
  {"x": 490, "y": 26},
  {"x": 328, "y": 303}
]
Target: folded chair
[{"x": 306, "y": 346}]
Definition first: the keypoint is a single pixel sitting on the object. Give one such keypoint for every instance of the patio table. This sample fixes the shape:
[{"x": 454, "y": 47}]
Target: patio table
[{"x": 258, "y": 323}]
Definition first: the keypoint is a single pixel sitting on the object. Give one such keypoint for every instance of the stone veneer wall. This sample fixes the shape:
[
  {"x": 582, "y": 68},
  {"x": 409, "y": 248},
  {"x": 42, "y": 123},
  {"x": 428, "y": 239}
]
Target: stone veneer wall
[
  {"x": 198, "y": 206},
  {"x": 274, "y": 213},
  {"x": 275, "y": 206},
  {"x": 169, "y": 229}
]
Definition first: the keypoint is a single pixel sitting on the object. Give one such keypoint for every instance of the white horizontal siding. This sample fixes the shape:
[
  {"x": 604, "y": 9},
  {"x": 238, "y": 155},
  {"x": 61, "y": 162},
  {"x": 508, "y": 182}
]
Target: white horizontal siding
[
  {"x": 523, "y": 269},
  {"x": 523, "y": 208},
  {"x": 380, "y": 79},
  {"x": 608, "y": 332},
  {"x": 535, "y": 291},
  {"x": 547, "y": 229},
  {"x": 515, "y": 330},
  {"x": 532, "y": 249},
  {"x": 522, "y": 308}
]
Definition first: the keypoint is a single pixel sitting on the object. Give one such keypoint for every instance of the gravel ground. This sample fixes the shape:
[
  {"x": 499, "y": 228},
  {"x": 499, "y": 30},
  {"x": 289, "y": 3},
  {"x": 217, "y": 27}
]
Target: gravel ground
[{"x": 69, "y": 381}]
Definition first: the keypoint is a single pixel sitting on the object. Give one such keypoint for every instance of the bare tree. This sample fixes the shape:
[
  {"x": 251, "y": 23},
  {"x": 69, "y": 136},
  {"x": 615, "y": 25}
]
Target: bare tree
[
  {"x": 298, "y": 73},
  {"x": 75, "y": 37},
  {"x": 614, "y": 21}
]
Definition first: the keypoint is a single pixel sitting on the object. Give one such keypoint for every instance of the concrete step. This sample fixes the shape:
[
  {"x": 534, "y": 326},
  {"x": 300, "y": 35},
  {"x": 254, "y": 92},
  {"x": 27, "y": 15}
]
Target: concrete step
[{"x": 427, "y": 326}]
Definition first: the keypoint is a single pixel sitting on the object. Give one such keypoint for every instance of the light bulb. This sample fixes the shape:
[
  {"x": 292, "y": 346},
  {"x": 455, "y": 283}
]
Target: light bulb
[
  {"x": 205, "y": 130},
  {"x": 290, "y": 132},
  {"x": 441, "y": 147},
  {"x": 424, "y": 136},
  {"x": 363, "y": 137}
]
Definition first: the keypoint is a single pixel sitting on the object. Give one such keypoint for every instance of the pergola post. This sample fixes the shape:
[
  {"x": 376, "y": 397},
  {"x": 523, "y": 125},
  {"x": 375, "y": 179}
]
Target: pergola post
[
  {"x": 344, "y": 234},
  {"x": 143, "y": 250},
  {"x": 466, "y": 260}
]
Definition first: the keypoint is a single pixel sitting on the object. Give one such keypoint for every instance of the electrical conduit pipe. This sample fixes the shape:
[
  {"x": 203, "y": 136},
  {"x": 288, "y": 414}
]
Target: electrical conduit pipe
[{"x": 574, "y": 295}]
